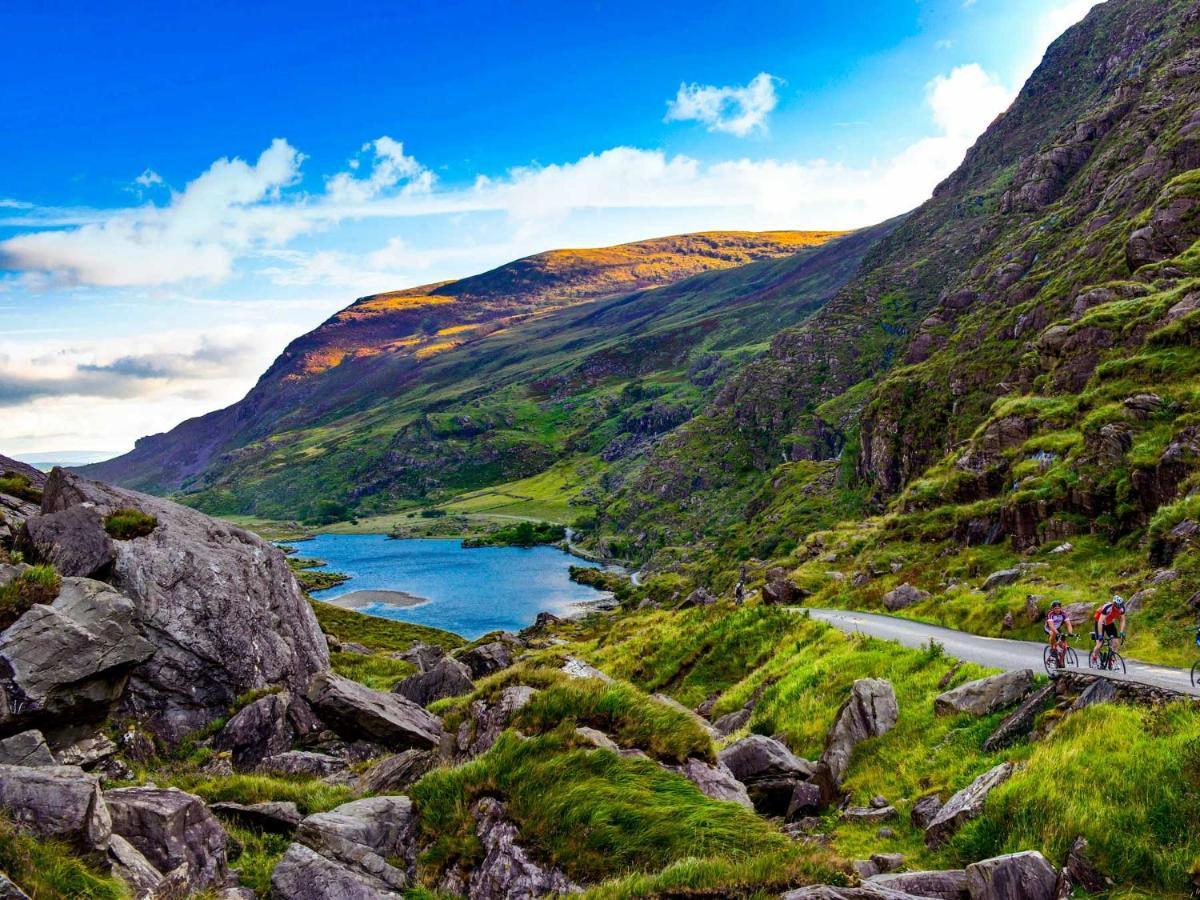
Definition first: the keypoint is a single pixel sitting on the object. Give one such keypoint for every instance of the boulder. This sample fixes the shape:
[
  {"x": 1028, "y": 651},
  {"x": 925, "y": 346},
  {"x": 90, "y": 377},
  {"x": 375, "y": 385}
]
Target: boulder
[
  {"x": 925, "y": 810},
  {"x": 445, "y": 678},
  {"x": 304, "y": 874},
  {"x": 870, "y": 711},
  {"x": 56, "y": 801},
  {"x": 904, "y": 596},
  {"x": 869, "y": 814},
  {"x": 277, "y": 817},
  {"x": 806, "y": 799},
  {"x": 1001, "y": 578},
  {"x": 219, "y": 606},
  {"x": 394, "y": 773},
  {"x": 888, "y": 862},
  {"x": 965, "y": 805},
  {"x": 172, "y": 828},
  {"x": 596, "y": 738},
  {"x": 864, "y": 891},
  {"x": 356, "y": 711},
  {"x": 486, "y": 721},
  {"x": 132, "y": 867},
  {"x": 423, "y": 656},
  {"x": 1020, "y": 721},
  {"x": 260, "y": 729},
  {"x": 302, "y": 762},
  {"x": 779, "y": 590},
  {"x": 1017, "y": 876},
  {"x": 979, "y": 698},
  {"x": 947, "y": 884},
  {"x": 73, "y": 541},
  {"x": 507, "y": 869},
  {"x": 69, "y": 661},
  {"x": 487, "y": 658},
  {"x": 716, "y": 781},
  {"x": 577, "y": 668},
  {"x": 731, "y": 722},
  {"x": 769, "y": 770},
  {"x": 375, "y": 838},
  {"x": 1082, "y": 871},
  {"x": 26, "y": 749},
  {"x": 88, "y": 752}
]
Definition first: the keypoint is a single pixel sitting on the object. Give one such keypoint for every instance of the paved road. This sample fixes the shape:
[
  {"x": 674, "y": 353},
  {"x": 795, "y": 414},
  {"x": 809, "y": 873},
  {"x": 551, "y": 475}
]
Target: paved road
[{"x": 998, "y": 653}]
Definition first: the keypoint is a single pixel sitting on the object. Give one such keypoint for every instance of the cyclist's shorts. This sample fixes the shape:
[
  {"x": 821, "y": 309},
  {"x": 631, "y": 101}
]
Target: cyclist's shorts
[{"x": 1111, "y": 630}]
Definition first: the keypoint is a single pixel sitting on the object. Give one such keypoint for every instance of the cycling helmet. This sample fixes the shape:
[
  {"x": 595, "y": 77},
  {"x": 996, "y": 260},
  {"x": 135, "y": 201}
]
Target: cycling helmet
[
  {"x": 1055, "y": 604},
  {"x": 1119, "y": 601}
]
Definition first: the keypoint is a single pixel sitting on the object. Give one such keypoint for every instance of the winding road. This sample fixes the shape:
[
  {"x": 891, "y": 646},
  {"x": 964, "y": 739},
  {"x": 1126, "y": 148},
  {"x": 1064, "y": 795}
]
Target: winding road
[{"x": 998, "y": 653}]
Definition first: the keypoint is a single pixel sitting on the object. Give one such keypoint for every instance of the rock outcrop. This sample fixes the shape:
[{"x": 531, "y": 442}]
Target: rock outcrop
[
  {"x": 979, "y": 698},
  {"x": 507, "y": 870},
  {"x": 28, "y": 748},
  {"x": 965, "y": 805},
  {"x": 73, "y": 541},
  {"x": 266, "y": 727},
  {"x": 356, "y": 711},
  {"x": 716, "y": 781},
  {"x": 57, "y": 801},
  {"x": 487, "y": 659},
  {"x": 870, "y": 711},
  {"x": 486, "y": 720},
  {"x": 218, "y": 605},
  {"x": 1017, "y": 876},
  {"x": 394, "y": 773},
  {"x": 941, "y": 884},
  {"x": 69, "y": 661},
  {"x": 445, "y": 678}
]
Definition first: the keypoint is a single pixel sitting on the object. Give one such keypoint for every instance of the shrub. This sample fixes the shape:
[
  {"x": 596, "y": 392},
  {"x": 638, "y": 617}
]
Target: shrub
[
  {"x": 17, "y": 485},
  {"x": 128, "y": 523},
  {"x": 39, "y": 584}
]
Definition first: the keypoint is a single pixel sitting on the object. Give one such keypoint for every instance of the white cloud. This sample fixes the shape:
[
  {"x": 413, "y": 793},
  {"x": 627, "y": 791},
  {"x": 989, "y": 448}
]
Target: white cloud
[
  {"x": 966, "y": 101},
  {"x": 390, "y": 167},
  {"x": 733, "y": 110},
  {"x": 149, "y": 178},
  {"x": 9, "y": 203}
]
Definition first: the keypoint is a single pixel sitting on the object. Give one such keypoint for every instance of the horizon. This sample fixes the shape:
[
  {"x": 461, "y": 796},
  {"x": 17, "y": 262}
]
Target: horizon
[{"x": 152, "y": 273}]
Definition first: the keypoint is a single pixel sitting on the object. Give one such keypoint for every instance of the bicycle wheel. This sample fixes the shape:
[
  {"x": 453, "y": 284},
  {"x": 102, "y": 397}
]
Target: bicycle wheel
[
  {"x": 1072, "y": 660},
  {"x": 1196, "y": 675},
  {"x": 1049, "y": 660},
  {"x": 1115, "y": 662}
]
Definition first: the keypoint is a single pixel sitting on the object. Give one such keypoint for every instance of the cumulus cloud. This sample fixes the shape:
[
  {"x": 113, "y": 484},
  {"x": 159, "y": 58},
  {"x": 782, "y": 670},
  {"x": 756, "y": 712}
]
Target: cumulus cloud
[
  {"x": 966, "y": 101},
  {"x": 391, "y": 167},
  {"x": 729, "y": 109},
  {"x": 149, "y": 178}
]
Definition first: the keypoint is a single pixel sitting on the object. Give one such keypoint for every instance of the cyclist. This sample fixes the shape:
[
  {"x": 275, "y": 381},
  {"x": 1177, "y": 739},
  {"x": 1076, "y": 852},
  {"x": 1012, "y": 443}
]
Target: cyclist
[
  {"x": 1106, "y": 618},
  {"x": 1056, "y": 618}
]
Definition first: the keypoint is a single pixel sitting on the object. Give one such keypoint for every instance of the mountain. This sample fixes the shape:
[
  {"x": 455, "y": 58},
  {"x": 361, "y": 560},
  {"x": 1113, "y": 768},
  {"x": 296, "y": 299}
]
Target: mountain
[{"x": 413, "y": 395}]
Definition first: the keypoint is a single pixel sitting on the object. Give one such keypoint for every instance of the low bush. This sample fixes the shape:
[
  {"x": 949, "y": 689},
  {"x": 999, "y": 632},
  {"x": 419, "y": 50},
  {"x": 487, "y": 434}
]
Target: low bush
[
  {"x": 17, "y": 485},
  {"x": 127, "y": 523},
  {"x": 39, "y": 584}
]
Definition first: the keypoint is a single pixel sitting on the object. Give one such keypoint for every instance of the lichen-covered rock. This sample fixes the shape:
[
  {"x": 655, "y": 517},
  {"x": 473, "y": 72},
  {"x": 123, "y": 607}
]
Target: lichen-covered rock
[
  {"x": 219, "y": 606},
  {"x": 1017, "y": 876},
  {"x": 394, "y": 773},
  {"x": 925, "y": 810},
  {"x": 486, "y": 721},
  {"x": 904, "y": 596},
  {"x": 375, "y": 838},
  {"x": 356, "y": 711},
  {"x": 56, "y": 801},
  {"x": 69, "y": 661},
  {"x": 28, "y": 748},
  {"x": 73, "y": 541},
  {"x": 1001, "y": 578},
  {"x": 577, "y": 668},
  {"x": 965, "y": 805},
  {"x": 304, "y": 874},
  {"x": 769, "y": 770},
  {"x": 870, "y": 711},
  {"x": 941, "y": 884},
  {"x": 302, "y": 762},
  {"x": 172, "y": 828},
  {"x": 716, "y": 781},
  {"x": 487, "y": 659},
  {"x": 445, "y": 678},
  {"x": 507, "y": 871},
  {"x": 979, "y": 698}
]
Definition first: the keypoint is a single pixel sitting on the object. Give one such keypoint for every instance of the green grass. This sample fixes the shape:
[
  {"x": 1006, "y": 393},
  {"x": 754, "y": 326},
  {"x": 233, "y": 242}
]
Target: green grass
[
  {"x": 127, "y": 523},
  {"x": 379, "y": 670},
  {"x": 39, "y": 584},
  {"x": 592, "y": 812},
  {"x": 260, "y": 851},
  {"x": 311, "y": 795},
  {"x": 378, "y": 633},
  {"x": 47, "y": 869},
  {"x": 17, "y": 485}
]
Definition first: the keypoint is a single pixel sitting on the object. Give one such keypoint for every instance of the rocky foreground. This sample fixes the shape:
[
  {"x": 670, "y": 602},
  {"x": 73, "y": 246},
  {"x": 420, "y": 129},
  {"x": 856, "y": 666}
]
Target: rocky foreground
[{"x": 154, "y": 622}]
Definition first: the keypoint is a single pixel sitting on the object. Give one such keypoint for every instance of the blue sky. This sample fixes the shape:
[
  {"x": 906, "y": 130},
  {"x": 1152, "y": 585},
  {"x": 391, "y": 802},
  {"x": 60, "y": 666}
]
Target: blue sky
[{"x": 183, "y": 189}]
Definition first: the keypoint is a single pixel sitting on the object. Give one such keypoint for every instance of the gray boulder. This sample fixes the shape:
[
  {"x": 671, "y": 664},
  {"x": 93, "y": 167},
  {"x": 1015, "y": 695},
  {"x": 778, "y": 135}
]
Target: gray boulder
[
  {"x": 731, "y": 722},
  {"x": 132, "y": 867},
  {"x": 870, "y": 711},
  {"x": 56, "y": 801},
  {"x": 597, "y": 739},
  {"x": 769, "y": 770},
  {"x": 864, "y": 891},
  {"x": 979, "y": 698},
  {"x": 486, "y": 721},
  {"x": 948, "y": 884},
  {"x": 487, "y": 659},
  {"x": 1017, "y": 876},
  {"x": 925, "y": 810},
  {"x": 68, "y": 662},
  {"x": 88, "y": 752},
  {"x": 374, "y": 838},
  {"x": 507, "y": 870},
  {"x": 445, "y": 678},
  {"x": 423, "y": 656},
  {"x": 26, "y": 749},
  {"x": 73, "y": 541},
  {"x": 904, "y": 596},
  {"x": 1002, "y": 578},
  {"x": 274, "y": 816},
  {"x": 716, "y": 781},
  {"x": 965, "y": 805},
  {"x": 577, "y": 668},
  {"x": 304, "y": 874},
  {"x": 355, "y": 711},
  {"x": 394, "y": 773},
  {"x": 699, "y": 597},
  {"x": 302, "y": 762},
  {"x": 172, "y": 828},
  {"x": 869, "y": 814},
  {"x": 266, "y": 727},
  {"x": 1082, "y": 871},
  {"x": 219, "y": 605}
]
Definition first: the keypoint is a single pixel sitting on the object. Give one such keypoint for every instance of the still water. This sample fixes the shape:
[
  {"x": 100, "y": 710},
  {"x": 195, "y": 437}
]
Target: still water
[{"x": 470, "y": 592}]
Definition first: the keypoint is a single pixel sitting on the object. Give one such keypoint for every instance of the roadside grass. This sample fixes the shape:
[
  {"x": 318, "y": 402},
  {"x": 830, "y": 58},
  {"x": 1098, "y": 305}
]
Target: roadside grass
[
  {"x": 49, "y": 868},
  {"x": 379, "y": 671},
  {"x": 692, "y": 653},
  {"x": 593, "y": 813},
  {"x": 378, "y": 633},
  {"x": 1124, "y": 777}
]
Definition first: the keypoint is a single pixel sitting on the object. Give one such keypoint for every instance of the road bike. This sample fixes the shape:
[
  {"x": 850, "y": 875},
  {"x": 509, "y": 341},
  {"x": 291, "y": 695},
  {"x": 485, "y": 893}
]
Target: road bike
[
  {"x": 1196, "y": 666},
  {"x": 1107, "y": 659},
  {"x": 1059, "y": 655}
]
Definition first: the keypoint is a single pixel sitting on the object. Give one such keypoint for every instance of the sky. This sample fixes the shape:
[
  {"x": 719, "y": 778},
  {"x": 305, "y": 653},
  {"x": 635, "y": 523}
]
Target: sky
[{"x": 184, "y": 188}]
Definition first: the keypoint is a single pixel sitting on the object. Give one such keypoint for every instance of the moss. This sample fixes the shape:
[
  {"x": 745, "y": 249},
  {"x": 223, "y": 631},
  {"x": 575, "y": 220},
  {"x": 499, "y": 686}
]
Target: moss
[{"x": 39, "y": 584}]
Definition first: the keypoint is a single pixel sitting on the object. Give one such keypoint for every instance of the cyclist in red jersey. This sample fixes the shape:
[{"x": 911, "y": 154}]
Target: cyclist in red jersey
[{"x": 1107, "y": 618}]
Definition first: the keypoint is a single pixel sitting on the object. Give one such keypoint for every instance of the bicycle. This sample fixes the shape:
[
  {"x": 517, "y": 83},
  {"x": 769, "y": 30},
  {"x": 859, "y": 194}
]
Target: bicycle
[
  {"x": 1059, "y": 655},
  {"x": 1196, "y": 666},
  {"x": 1108, "y": 659}
]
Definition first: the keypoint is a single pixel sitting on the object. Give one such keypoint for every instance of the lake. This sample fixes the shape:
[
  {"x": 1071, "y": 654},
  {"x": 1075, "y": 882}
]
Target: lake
[{"x": 470, "y": 591}]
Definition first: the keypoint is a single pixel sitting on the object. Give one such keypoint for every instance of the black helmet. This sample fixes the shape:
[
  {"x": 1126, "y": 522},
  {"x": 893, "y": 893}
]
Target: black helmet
[{"x": 1055, "y": 604}]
